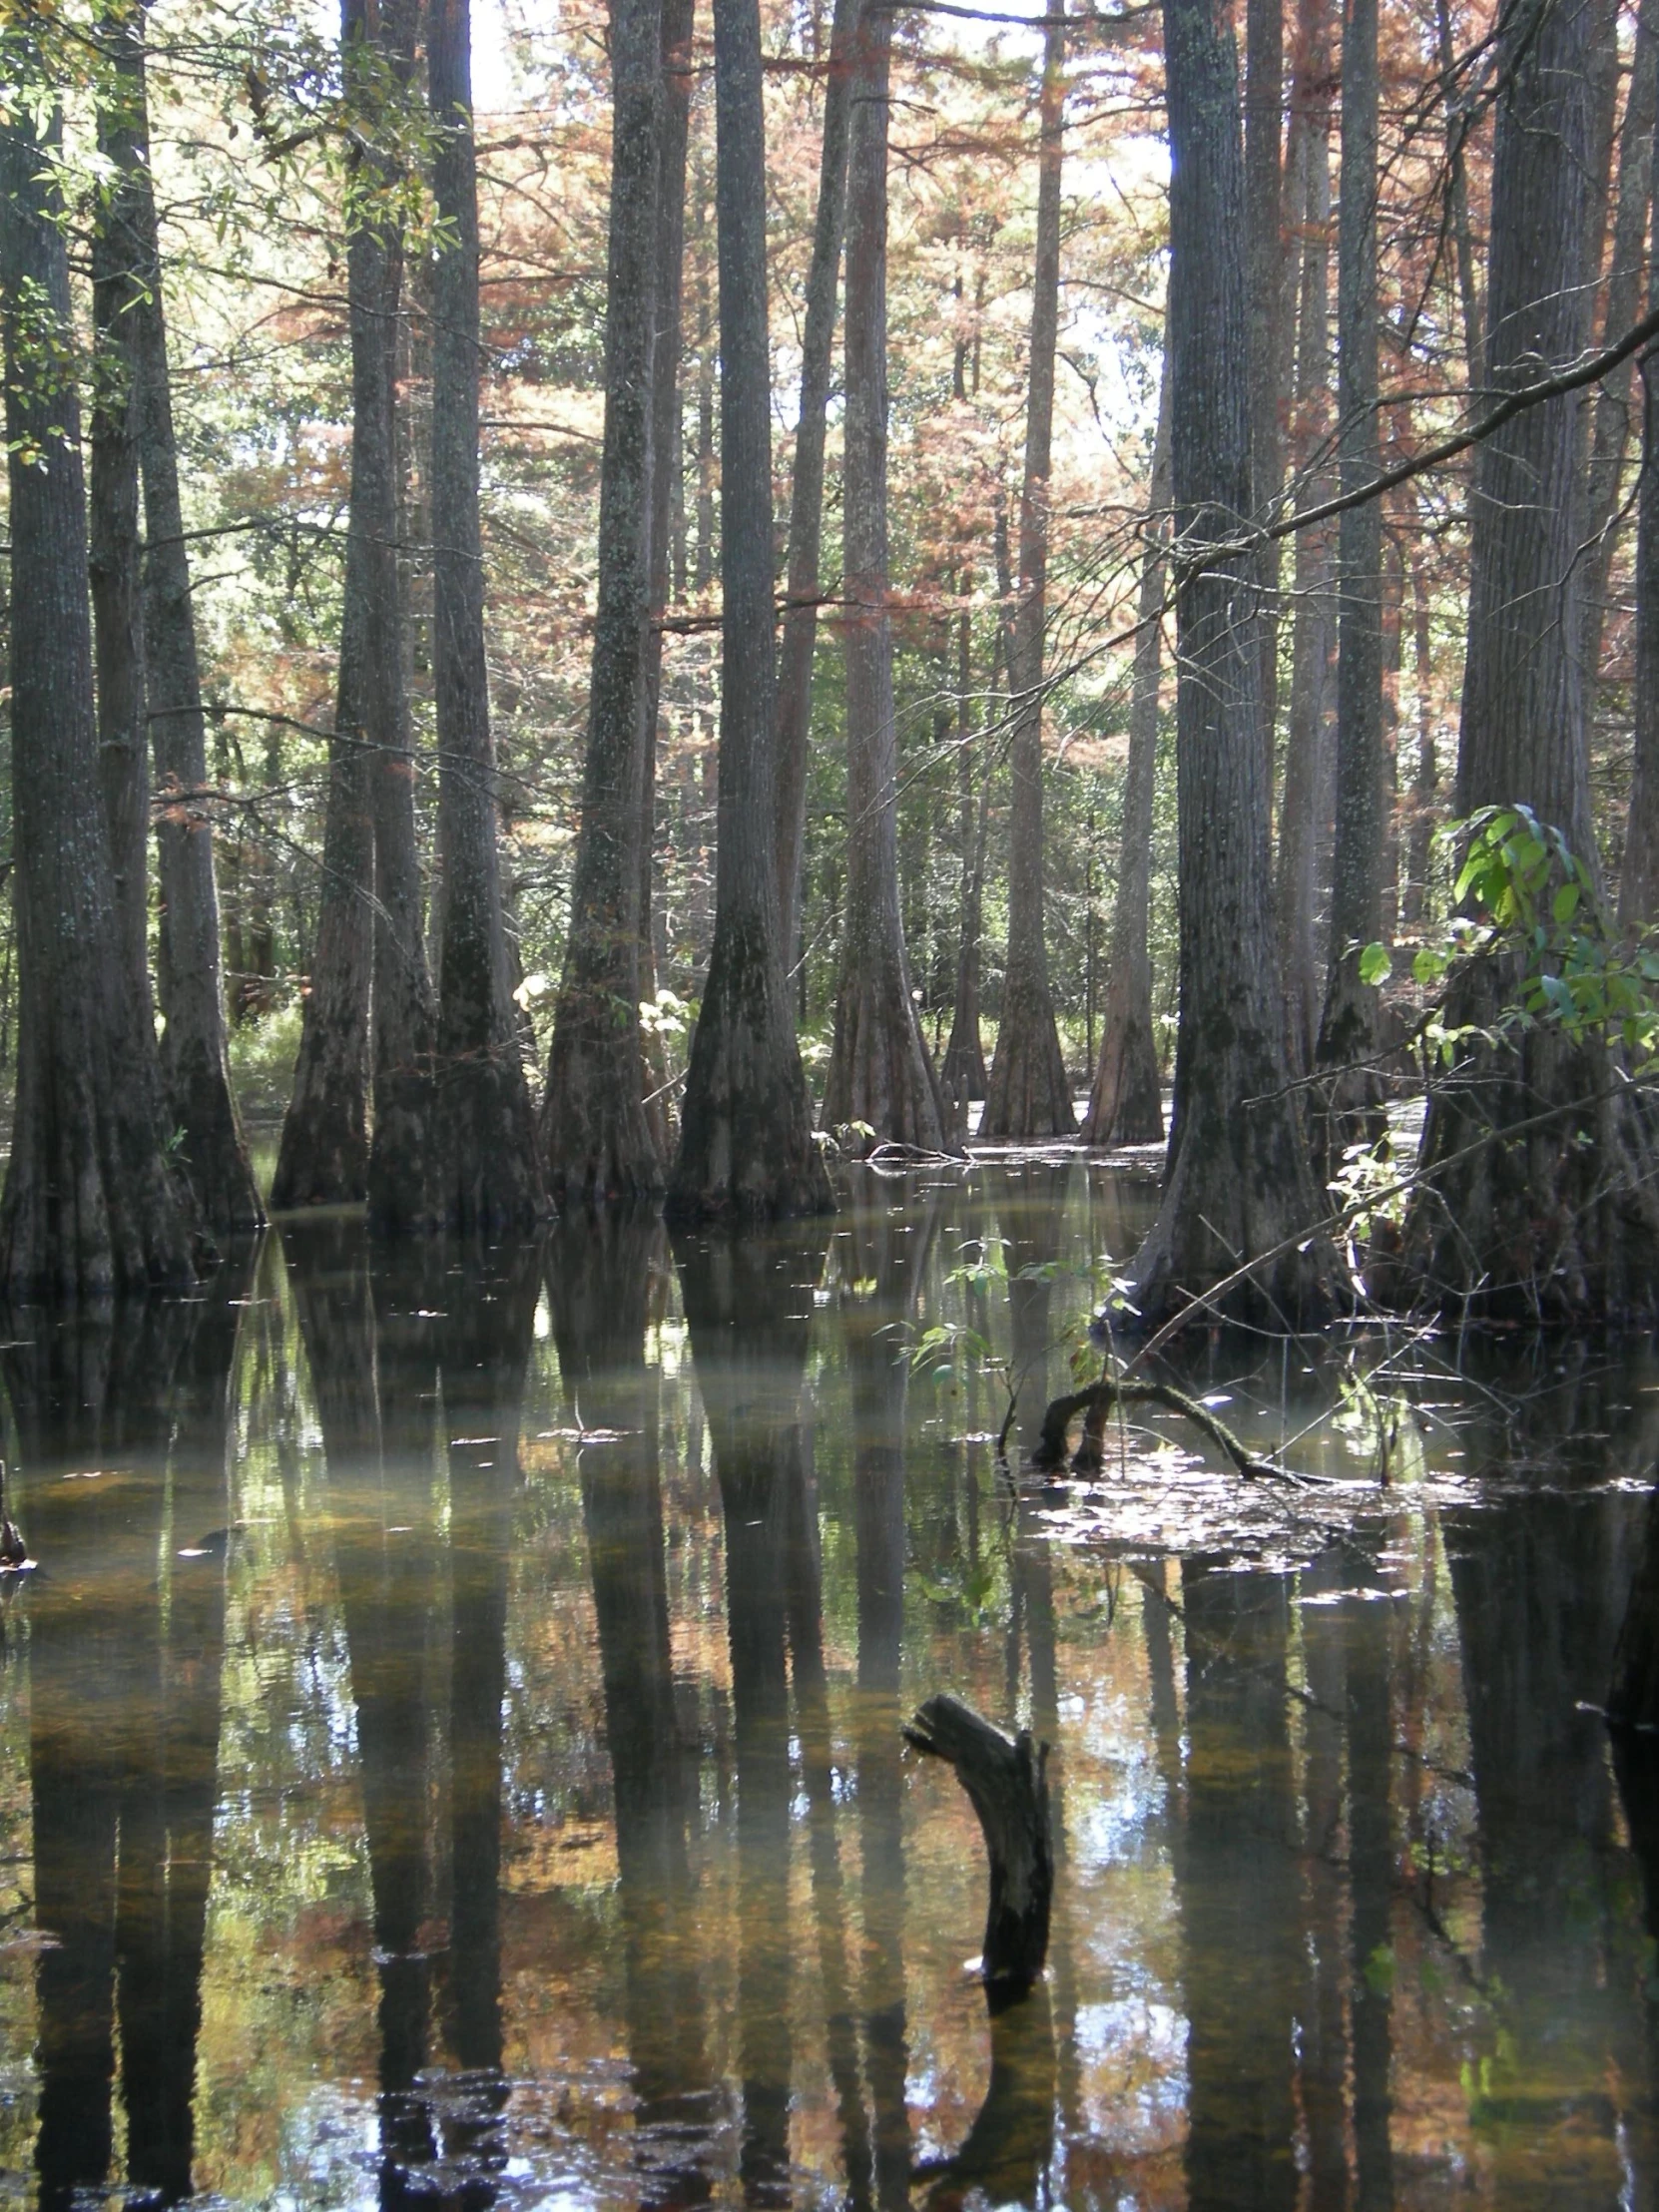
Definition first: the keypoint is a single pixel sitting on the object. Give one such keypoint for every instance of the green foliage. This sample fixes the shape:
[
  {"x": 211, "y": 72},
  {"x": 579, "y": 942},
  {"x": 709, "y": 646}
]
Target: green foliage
[{"x": 1522, "y": 892}]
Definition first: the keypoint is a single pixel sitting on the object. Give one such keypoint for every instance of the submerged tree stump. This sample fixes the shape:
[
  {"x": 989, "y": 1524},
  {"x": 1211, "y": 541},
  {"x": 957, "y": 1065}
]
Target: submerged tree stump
[{"x": 1005, "y": 1779}]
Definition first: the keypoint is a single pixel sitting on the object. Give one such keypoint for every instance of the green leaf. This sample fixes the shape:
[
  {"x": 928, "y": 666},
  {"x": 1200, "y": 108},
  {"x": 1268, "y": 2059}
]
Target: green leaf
[
  {"x": 1375, "y": 966},
  {"x": 1429, "y": 965}
]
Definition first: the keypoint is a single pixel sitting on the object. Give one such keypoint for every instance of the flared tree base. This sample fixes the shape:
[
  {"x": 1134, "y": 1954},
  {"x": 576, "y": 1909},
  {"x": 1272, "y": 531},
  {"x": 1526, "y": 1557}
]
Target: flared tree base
[{"x": 1539, "y": 1178}]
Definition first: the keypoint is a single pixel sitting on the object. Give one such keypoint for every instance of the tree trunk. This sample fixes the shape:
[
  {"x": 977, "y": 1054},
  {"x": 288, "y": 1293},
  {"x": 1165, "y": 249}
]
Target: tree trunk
[
  {"x": 1239, "y": 1182},
  {"x": 1030, "y": 1094},
  {"x": 595, "y": 1135},
  {"x": 1264, "y": 105},
  {"x": 1611, "y": 436},
  {"x": 1349, "y": 1025},
  {"x": 746, "y": 1145},
  {"x": 401, "y": 995},
  {"x": 1311, "y": 636},
  {"x": 190, "y": 974},
  {"x": 484, "y": 1172},
  {"x": 1126, "y": 1104},
  {"x": 963, "y": 1075},
  {"x": 795, "y": 677},
  {"x": 1639, "y": 879},
  {"x": 1559, "y": 1223},
  {"x": 678, "y": 18},
  {"x": 1425, "y": 782},
  {"x": 114, "y": 560},
  {"x": 1460, "y": 118},
  {"x": 90, "y": 1206},
  {"x": 879, "y": 1073}
]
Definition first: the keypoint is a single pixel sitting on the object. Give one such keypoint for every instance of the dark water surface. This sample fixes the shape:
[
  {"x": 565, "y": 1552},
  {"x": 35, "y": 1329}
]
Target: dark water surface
[{"x": 450, "y": 1751}]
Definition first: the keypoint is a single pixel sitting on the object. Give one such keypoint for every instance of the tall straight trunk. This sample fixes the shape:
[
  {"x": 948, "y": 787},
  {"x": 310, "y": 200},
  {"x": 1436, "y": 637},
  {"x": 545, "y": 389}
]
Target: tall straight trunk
[
  {"x": 324, "y": 1159},
  {"x": 190, "y": 974},
  {"x": 746, "y": 1143},
  {"x": 1561, "y": 1223},
  {"x": 703, "y": 574},
  {"x": 795, "y": 674},
  {"x": 595, "y": 1135},
  {"x": 485, "y": 1170},
  {"x": 677, "y": 16},
  {"x": 1264, "y": 105},
  {"x": 1459, "y": 119},
  {"x": 879, "y": 1071},
  {"x": 1639, "y": 878},
  {"x": 401, "y": 998},
  {"x": 1030, "y": 1095},
  {"x": 1425, "y": 779},
  {"x": 1312, "y": 629},
  {"x": 1610, "y": 433},
  {"x": 1349, "y": 1025},
  {"x": 88, "y": 1205},
  {"x": 114, "y": 561},
  {"x": 1394, "y": 640},
  {"x": 1239, "y": 1182},
  {"x": 1126, "y": 1103},
  {"x": 963, "y": 1075}
]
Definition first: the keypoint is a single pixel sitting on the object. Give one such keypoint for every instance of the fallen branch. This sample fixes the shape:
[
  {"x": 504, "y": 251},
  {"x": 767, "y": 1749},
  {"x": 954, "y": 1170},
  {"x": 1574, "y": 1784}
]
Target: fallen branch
[
  {"x": 1006, "y": 1782},
  {"x": 1098, "y": 1400}
]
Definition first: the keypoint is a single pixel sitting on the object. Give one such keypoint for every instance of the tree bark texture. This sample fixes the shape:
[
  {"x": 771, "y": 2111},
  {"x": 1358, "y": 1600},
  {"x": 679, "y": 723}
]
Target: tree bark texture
[
  {"x": 1610, "y": 409},
  {"x": 1126, "y": 1102},
  {"x": 1239, "y": 1181},
  {"x": 1031, "y": 1093},
  {"x": 115, "y": 558},
  {"x": 596, "y": 1138},
  {"x": 1557, "y": 1222},
  {"x": 878, "y": 1072},
  {"x": 678, "y": 17},
  {"x": 1458, "y": 122},
  {"x": 964, "y": 1074},
  {"x": 1298, "y": 881},
  {"x": 794, "y": 676},
  {"x": 90, "y": 1206},
  {"x": 746, "y": 1145},
  {"x": 1639, "y": 877},
  {"x": 1425, "y": 779},
  {"x": 484, "y": 1172},
  {"x": 1347, "y": 1026},
  {"x": 213, "y": 1154},
  {"x": 1264, "y": 111},
  {"x": 382, "y": 40}
]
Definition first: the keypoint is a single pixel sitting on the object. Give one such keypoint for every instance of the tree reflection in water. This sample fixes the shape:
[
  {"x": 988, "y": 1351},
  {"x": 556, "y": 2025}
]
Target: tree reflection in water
[
  {"x": 122, "y": 1427},
  {"x": 1349, "y": 1910}
]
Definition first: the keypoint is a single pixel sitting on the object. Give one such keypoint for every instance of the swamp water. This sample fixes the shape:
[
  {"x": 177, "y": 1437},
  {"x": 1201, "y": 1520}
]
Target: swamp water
[{"x": 450, "y": 1754}]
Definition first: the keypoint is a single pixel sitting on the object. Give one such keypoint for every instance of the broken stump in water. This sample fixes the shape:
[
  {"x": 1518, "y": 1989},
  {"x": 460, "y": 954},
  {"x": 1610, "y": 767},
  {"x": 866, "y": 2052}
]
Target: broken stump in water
[{"x": 1005, "y": 1779}]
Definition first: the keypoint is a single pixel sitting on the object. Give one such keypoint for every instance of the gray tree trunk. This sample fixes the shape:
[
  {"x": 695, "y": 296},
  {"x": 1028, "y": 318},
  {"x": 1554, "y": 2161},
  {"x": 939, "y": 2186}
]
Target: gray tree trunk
[
  {"x": 1610, "y": 416},
  {"x": 746, "y": 1145},
  {"x": 1239, "y": 1182},
  {"x": 1559, "y": 1223},
  {"x": 402, "y": 1010},
  {"x": 1126, "y": 1103},
  {"x": 113, "y": 549},
  {"x": 1030, "y": 1094},
  {"x": 1425, "y": 780},
  {"x": 1298, "y": 884},
  {"x": 1639, "y": 877},
  {"x": 484, "y": 1171},
  {"x": 1264, "y": 109},
  {"x": 596, "y": 1138},
  {"x": 795, "y": 674},
  {"x": 1348, "y": 1025},
  {"x": 878, "y": 1072},
  {"x": 90, "y": 1206},
  {"x": 962, "y": 1075},
  {"x": 678, "y": 18},
  {"x": 190, "y": 974},
  {"x": 1457, "y": 124}
]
